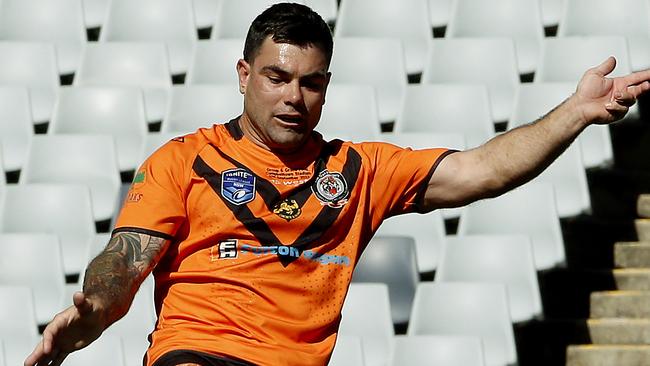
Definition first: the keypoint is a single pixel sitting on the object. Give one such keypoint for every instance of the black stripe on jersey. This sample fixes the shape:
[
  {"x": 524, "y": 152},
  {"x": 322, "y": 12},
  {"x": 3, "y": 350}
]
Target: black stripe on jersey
[
  {"x": 234, "y": 130},
  {"x": 254, "y": 225},
  {"x": 419, "y": 197},
  {"x": 128, "y": 229}
]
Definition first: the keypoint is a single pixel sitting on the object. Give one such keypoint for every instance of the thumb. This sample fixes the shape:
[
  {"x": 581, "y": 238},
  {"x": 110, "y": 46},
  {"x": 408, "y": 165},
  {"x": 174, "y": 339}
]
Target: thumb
[
  {"x": 605, "y": 67},
  {"x": 81, "y": 302}
]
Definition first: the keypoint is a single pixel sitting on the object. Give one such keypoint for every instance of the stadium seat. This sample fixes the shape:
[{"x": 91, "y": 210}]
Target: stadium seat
[
  {"x": 169, "y": 21},
  {"x": 136, "y": 64},
  {"x": 3, "y": 179},
  {"x": 406, "y": 20},
  {"x": 62, "y": 209},
  {"x": 372, "y": 324},
  {"x": 448, "y": 350},
  {"x": 108, "y": 110},
  {"x": 348, "y": 351},
  {"x": 60, "y": 22},
  {"x": 193, "y": 106},
  {"x": 442, "y": 108},
  {"x": 215, "y": 62},
  {"x": 527, "y": 210},
  {"x": 470, "y": 309},
  {"x": 105, "y": 351},
  {"x": 153, "y": 141},
  {"x": 35, "y": 261},
  {"x": 327, "y": 9},
  {"x": 2, "y": 353},
  {"x": 383, "y": 68},
  {"x": 506, "y": 259},
  {"x": 77, "y": 159},
  {"x": 95, "y": 12},
  {"x": 428, "y": 230},
  {"x": 391, "y": 260},
  {"x": 16, "y": 128},
  {"x": 533, "y": 100},
  {"x": 551, "y": 11},
  {"x": 205, "y": 13},
  {"x": 18, "y": 347},
  {"x": 489, "y": 61},
  {"x": 235, "y": 16},
  {"x": 31, "y": 65},
  {"x": 17, "y": 313},
  {"x": 629, "y": 18},
  {"x": 350, "y": 113},
  {"x": 439, "y": 12},
  {"x": 519, "y": 20}
]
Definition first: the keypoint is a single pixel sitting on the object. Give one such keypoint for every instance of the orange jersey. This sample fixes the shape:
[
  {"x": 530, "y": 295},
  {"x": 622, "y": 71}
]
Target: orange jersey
[{"x": 263, "y": 247}]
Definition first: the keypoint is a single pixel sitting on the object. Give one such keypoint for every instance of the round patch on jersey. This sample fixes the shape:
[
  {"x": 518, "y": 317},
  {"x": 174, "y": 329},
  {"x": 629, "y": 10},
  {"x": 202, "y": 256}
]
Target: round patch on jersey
[
  {"x": 287, "y": 209},
  {"x": 238, "y": 186},
  {"x": 331, "y": 189}
]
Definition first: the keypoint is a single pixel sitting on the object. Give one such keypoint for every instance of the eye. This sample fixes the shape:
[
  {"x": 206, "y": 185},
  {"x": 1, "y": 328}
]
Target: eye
[{"x": 275, "y": 79}]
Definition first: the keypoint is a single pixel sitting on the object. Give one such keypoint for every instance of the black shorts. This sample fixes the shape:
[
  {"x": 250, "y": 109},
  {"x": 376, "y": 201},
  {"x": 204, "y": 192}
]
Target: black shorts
[{"x": 176, "y": 357}]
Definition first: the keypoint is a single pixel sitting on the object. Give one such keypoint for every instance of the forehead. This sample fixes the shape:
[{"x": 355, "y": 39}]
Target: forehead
[{"x": 290, "y": 57}]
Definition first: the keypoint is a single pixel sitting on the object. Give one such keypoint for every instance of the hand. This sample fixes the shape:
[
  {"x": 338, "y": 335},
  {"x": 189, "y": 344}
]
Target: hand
[
  {"x": 72, "y": 329},
  {"x": 604, "y": 100}
]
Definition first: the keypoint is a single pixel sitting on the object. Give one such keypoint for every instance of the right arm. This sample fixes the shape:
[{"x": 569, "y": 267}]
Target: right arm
[{"x": 110, "y": 284}]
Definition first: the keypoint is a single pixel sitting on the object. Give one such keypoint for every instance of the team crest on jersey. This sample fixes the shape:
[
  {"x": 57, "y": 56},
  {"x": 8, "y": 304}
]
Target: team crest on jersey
[
  {"x": 287, "y": 209},
  {"x": 331, "y": 189},
  {"x": 238, "y": 186}
]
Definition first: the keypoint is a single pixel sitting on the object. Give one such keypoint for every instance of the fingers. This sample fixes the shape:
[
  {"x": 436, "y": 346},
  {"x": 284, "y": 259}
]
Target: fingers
[
  {"x": 637, "y": 90},
  {"x": 605, "y": 67},
  {"x": 637, "y": 77},
  {"x": 81, "y": 302}
]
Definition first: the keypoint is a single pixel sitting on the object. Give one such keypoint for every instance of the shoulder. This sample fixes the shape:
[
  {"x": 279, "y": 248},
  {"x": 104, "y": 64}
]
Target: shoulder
[{"x": 187, "y": 147}]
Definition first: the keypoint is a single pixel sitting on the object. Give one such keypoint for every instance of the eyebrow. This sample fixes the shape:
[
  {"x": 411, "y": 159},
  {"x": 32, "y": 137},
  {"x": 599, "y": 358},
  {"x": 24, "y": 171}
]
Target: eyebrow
[{"x": 278, "y": 70}]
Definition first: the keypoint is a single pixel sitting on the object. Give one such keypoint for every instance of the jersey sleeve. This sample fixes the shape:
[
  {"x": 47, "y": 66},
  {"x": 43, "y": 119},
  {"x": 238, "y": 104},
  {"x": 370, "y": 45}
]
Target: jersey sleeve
[
  {"x": 155, "y": 202},
  {"x": 400, "y": 177}
]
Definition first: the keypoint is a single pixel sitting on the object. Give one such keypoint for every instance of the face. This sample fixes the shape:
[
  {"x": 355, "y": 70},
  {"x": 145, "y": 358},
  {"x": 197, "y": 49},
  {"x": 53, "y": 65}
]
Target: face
[{"x": 284, "y": 92}]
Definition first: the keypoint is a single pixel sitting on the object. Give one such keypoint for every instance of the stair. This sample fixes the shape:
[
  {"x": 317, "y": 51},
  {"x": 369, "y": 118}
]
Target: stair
[{"x": 619, "y": 321}]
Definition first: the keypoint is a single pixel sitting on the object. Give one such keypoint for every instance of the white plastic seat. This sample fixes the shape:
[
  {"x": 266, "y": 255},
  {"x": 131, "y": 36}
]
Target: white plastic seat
[
  {"x": 36, "y": 261},
  {"x": 62, "y": 209},
  {"x": 469, "y": 309},
  {"x": 506, "y": 259},
  {"x": 108, "y": 110},
  {"x": 406, "y": 20},
  {"x": 372, "y": 324},
  {"x": 350, "y": 113},
  {"x": 205, "y": 13},
  {"x": 17, "y": 312},
  {"x": 391, "y": 260},
  {"x": 193, "y": 106},
  {"x": 136, "y": 64},
  {"x": 439, "y": 12},
  {"x": 77, "y": 159},
  {"x": 551, "y": 11},
  {"x": 442, "y": 108},
  {"x": 2, "y": 353},
  {"x": 168, "y": 21},
  {"x": 234, "y": 17},
  {"x": 327, "y": 9},
  {"x": 153, "y": 141},
  {"x": 348, "y": 351},
  {"x": 629, "y": 18},
  {"x": 95, "y": 12},
  {"x": 60, "y": 22},
  {"x": 214, "y": 62},
  {"x": 528, "y": 210},
  {"x": 18, "y": 347},
  {"x": 489, "y": 61},
  {"x": 519, "y": 20},
  {"x": 383, "y": 68},
  {"x": 448, "y": 350},
  {"x": 428, "y": 230},
  {"x": 16, "y": 128},
  {"x": 105, "y": 351},
  {"x": 533, "y": 100},
  {"x": 31, "y": 65}
]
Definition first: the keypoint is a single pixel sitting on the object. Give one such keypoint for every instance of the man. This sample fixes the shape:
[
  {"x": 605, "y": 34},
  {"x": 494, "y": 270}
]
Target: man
[{"x": 252, "y": 228}]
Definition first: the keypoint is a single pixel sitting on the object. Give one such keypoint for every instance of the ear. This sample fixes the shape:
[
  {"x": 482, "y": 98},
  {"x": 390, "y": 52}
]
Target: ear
[
  {"x": 329, "y": 77},
  {"x": 243, "y": 72}
]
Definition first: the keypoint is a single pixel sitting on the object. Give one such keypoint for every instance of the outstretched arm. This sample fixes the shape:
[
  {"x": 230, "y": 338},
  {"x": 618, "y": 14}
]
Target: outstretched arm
[
  {"x": 517, "y": 156},
  {"x": 110, "y": 283}
]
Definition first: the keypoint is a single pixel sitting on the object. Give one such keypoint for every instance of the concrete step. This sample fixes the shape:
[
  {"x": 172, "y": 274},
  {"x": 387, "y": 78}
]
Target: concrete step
[
  {"x": 642, "y": 229},
  {"x": 643, "y": 205},
  {"x": 620, "y": 304},
  {"x": 632, "y": 254},
  {"x": 608, "y": 355},
  {"x": 632, "y": 279},
  {"x": 619, "y": 331}
]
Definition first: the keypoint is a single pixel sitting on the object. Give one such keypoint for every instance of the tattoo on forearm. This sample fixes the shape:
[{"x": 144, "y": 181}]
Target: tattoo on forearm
[{"x": 114, "y": 274}]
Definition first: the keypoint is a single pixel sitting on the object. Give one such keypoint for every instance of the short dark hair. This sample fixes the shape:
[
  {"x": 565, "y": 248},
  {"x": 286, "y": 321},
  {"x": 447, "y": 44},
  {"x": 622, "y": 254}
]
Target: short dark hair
[{"x": 289, "y": 23}]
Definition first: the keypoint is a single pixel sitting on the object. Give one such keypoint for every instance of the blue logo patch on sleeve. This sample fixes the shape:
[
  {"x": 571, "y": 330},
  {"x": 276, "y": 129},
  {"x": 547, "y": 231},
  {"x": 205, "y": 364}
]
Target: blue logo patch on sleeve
[{"x": 238, "y": 186}]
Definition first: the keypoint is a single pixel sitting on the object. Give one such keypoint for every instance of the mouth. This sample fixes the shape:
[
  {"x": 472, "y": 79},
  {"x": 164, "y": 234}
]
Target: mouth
[{"x": 290, "y": 120}]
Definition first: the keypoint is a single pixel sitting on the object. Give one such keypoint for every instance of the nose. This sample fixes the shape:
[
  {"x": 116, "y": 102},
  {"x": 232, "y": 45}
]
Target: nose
[{"x": 293, "y": 93}]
